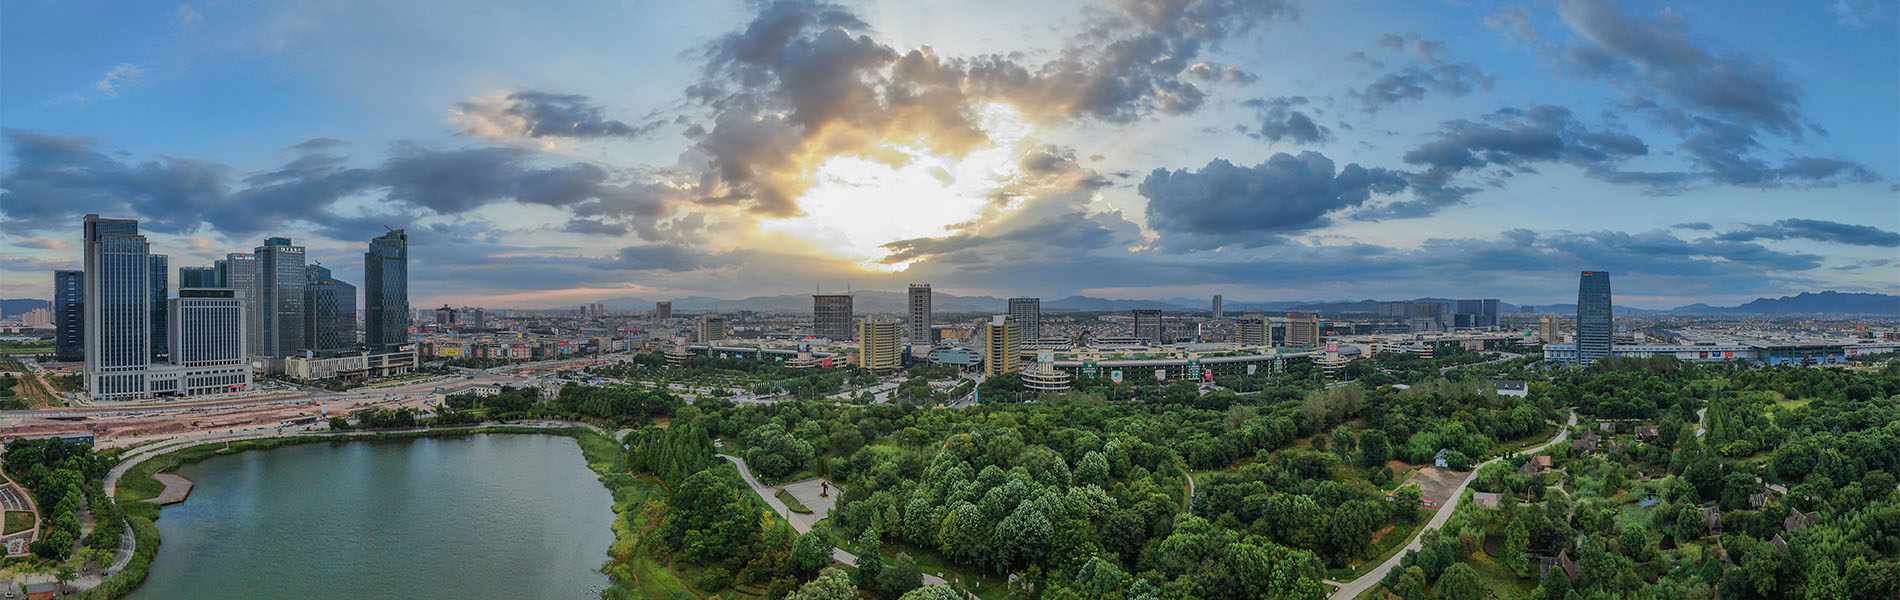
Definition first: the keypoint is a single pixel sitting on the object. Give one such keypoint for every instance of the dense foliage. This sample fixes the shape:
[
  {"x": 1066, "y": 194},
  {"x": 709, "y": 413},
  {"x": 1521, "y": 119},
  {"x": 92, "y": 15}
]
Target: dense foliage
[{"x": 64, "y": 480}]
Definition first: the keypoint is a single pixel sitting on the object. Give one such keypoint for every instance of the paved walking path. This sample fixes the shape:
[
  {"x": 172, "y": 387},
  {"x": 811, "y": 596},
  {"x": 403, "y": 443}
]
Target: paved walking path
[
  {"x": 1352, "y": 589},
  {"x": 805, "y": 522}
]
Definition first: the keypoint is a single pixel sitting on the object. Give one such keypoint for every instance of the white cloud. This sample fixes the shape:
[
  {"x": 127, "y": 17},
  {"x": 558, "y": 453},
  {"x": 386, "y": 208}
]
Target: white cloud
[{"x": 118, "y": 77}]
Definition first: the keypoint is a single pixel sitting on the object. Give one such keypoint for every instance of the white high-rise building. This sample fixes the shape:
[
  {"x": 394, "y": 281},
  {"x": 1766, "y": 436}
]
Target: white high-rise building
[
  {"x": 208, "y": 341},
  {"x": 118, "y": 309}
]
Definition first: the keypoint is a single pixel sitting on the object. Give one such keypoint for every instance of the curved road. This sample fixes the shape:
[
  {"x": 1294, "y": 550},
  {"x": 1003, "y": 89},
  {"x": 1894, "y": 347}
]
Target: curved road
[
  {"x": 771, "y": 499},
  {"x": 1352, "y": 589}
]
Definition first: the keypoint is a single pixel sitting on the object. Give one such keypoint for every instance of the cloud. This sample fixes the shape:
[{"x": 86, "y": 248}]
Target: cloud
[
  {"x": 1694, "y": 226},
  {"x": 1284, "y": 118},
  {"x": 1856, "y": 14},
  {"x": 1428, "y": 72},
  {"x": 1509, "y": 141},
  {"x": 531, "y": 114},
  {"x": 807, "y": 80},
  {"x": 186, "y": 17},
  {"x": 1817, "y": 230},
  {"x": 53, "y": 178},
  {"x": 1723, "y": 150},
  {"x": 1224, "y": 204},
  {"x": 118, "y": 77},
  {"x": 1515, "y": 21},
  {"x": 594, "y": 227}
]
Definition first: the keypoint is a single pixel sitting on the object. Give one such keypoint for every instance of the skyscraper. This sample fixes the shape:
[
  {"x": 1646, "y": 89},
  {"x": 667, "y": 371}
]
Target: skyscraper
[
  {"x": 1594, "y": 317},
  {"x": 161, "y": 270},
  {"x": 1002, "y": 342},
  {"x": 69, "y": 315},
  {"x": 280, "y": 281},
  {"x": 1027, "y": 312},
  {"x": 1479, "y": 313},
  {"x": 1547, "y": 329},
  {"x": 239, "y": 274},
  {"x": 711, "y": 327},
  {"x": 920, "y": 316},
  {"x": 831, "y": 316},
  {"x": 878, "y": 348},
  {"x": 1148, "y": 326},
  {"x": 118, "y": 308},
  {"x": 207, "y": 342},
  {"x": 329, "y": 322},
  {"x": 663, "y": 310},
  {"x": 1220, "y": 312},
  {"x": 198, "y": 277},
  {"x": 1302, "y": 329},
  {"x": 386, "y": 292}
]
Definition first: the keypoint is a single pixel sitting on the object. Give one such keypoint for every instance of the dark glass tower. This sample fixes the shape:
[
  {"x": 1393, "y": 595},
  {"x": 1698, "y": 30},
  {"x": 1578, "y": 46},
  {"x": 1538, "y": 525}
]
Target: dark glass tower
[
  {"x": 386, "y": 292},
  {"x": 280, "y": 280},
  {"x": 1594, "y": 332},
  {"x": 329, "y": 318},
  {"x": 69, "y": 315},
  {"x": 161, "y": 288}
]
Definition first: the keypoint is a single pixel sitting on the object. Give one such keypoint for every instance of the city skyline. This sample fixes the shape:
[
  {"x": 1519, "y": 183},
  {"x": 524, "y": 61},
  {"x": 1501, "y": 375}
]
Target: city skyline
[{"x": 1696, "y": 152}]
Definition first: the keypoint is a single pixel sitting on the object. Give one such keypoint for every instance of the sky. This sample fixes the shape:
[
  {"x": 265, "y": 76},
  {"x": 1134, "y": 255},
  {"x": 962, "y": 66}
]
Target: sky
[{"x": 563, "y": 152}]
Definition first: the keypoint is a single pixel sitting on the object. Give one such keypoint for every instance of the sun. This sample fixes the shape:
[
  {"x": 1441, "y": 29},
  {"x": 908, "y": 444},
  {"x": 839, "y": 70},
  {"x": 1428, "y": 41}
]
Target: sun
[{"x": 857, "y": 205}]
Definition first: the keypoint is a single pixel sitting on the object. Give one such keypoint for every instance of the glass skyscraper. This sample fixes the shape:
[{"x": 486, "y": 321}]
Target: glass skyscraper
[
  {"x": 161, "y": 289},
  {"x": 69, "y": 315},
  {"x": 1595, "y": 333},
  {"x": 329, "y": 322},
  {"x": 280, "y": 280},
  {"x": 1028, "y": 315},
  {"x": 118, "y": 308},
  {"x": 198, "y": 277},
  {"x": 386, "y": 292}
]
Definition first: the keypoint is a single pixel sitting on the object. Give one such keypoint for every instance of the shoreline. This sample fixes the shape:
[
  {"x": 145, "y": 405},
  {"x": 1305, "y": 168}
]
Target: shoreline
[{"x": 134, "y": 485}]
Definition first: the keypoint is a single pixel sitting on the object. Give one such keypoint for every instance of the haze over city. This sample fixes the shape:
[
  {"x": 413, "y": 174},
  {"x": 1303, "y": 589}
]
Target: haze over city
[{"x": 557, "y": 154}]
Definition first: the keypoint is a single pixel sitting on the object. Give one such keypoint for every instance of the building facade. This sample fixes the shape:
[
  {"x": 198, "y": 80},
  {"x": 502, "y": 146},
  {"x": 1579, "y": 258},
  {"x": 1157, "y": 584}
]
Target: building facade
[
  {"x": 118, "y": 308},
  {"x": 1028, "y": 315},
  {"x": 712, "y": 327},
  {"x": 663, "y": 310},
  {"x": 1220, "y": 308},
  {"x": 198, "y": 277},
  {"x": 280, "y": 283},
  {"x": 831, "y": 316},
  {"x": 329, "y": 323},
  {"x": 1595, "y": 325},
  {"x": 1002, "y": 343},
  {"x": 238, "y": 272},
  {"x": 69, "y": 315},
  {"x": 161, "y": 290},
  {"x": 1547, "y": 329},
  {"x": 1254, "y": 330},
  {"x": 920, "y": 316},
  {"x": 1302, "y": 329},
  {"x": 386, "y": 292},
  {"x": 878, "y": 345},
  {"x": 207, "y": 342},
  {"x": 1148, "y": 326}
]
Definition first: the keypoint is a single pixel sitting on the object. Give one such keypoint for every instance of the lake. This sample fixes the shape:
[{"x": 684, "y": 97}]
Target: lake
[{"x": 481, "y": 516}]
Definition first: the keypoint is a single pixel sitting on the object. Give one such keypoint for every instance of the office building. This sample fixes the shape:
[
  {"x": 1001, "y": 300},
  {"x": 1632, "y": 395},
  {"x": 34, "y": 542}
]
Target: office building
[
  {"x": 198, "y": 277},
  {"x": 831, "y": 316},
  {"x": 878, "y": 346},
  {"x": 280, "y": 308},
  {"x": 712, "y": 327},
  {"x": 1148, "y": 326},
  {"x": 329, "y": 323},
  {"x": 920, "y": 316},
  {"x": 207, "y": 342},
  {"x": 445, "y": 316},
  {"x": 118, "y": 308},
  {"x": 1220, "y": 311},
  {"x": 386, "y": 292},
  {"x": 238, "y": 273},
  {"x": 1254, "y": 330},
  {"x": 473, "y": 317},
  {"x": 1302, "y": 329},
  {"x": 1027, "y": 313},
  {"x": 1547, "y": 329},
  {"x": 1595, "y": 330},
  {"x": 663, "y": 310},
  {"x": 161, "y": 290},
  {"x": 1002, "y": 343},
  {"x": 69, "y": 315},
  {"x": 1426, "y": 310},
  {"x": 1478, "y": 314}
]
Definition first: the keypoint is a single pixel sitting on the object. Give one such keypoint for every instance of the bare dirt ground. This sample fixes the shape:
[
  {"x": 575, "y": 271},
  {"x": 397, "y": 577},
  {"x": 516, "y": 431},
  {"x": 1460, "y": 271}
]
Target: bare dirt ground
[{"x": 1435, "y": 484}]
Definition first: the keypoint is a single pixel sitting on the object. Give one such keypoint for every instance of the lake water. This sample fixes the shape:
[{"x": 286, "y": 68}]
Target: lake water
[{"x": 483, "y": 516}]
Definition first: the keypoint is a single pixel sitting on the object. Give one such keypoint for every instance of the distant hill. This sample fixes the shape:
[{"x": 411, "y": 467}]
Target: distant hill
[
  {"x": 12, "y": 308},
  {"x": 1829, "y": 302}
]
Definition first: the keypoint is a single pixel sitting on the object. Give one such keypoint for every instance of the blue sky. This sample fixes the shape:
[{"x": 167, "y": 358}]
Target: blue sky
[{"x": 567, "y": 152}]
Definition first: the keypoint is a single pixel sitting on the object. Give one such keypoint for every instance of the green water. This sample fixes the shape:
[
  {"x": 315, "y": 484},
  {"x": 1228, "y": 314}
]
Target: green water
[{"x": 484, "y": 516}]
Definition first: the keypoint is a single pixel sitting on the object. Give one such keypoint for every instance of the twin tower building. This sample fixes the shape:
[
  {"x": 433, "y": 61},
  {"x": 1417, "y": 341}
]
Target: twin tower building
[{"x": 140, "y": 342}]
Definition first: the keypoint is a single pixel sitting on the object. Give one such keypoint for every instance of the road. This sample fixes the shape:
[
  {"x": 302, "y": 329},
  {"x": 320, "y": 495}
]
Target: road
[
  {"x": 766, "y": 493},
  {"x": 1352, "y": 589}
]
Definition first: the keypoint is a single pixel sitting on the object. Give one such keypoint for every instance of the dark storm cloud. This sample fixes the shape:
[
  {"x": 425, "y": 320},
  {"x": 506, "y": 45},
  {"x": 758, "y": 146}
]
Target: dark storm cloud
[
  {"x": 540, "y": 114},
  {"x": 594, "y": 227},
  {"x": 1724, "y": 151},
  {"x": 1512, "y": 137},
  {"x": 53, "y": 176},
  {"x": 1817, "y": 230},
  {"x": 1285, "y": 118},
  {"x": 1223, "y": 204}
]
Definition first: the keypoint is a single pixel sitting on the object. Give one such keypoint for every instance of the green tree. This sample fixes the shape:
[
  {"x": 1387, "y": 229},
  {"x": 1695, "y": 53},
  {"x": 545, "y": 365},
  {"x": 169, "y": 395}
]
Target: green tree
[
  {"x": 1460, "y": 582},
  {"x": 832, "y": 584},
  {"x": 810, "y": 554},
  {"x": 900, "y": 578},
  {"x": 935, "y": 592}
]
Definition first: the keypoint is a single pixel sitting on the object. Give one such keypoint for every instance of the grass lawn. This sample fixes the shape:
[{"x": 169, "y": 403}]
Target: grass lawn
[
  {"x": 792, "y": 503},
  {"x": 1793, "y": 404},
  {"x": 18, "y": 521},
  {"x": 1499, "y": 580},
  {"x": 983, "y": 583}
]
